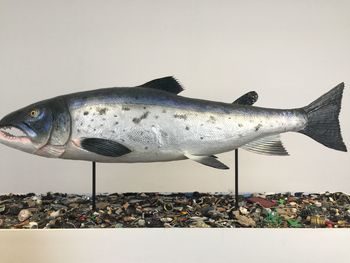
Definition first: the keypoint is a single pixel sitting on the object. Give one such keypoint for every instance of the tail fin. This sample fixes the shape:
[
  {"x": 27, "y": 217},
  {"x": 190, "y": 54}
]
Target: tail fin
[{"x": 323, "y": 123}]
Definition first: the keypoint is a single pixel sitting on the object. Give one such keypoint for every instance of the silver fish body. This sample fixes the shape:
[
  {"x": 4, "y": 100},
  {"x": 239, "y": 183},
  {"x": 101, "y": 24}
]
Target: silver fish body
[
  {"x": 157, "y": 126},
  {"x": 151, "y": 123}
]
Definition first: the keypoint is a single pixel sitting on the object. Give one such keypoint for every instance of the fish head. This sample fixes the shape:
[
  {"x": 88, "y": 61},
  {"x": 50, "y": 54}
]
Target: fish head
[{"x": 36, "y": 126}]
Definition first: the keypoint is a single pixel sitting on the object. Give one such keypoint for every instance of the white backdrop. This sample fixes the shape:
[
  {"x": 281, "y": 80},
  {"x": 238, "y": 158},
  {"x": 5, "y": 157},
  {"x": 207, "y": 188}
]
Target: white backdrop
[{"x": 290, "y": 52}]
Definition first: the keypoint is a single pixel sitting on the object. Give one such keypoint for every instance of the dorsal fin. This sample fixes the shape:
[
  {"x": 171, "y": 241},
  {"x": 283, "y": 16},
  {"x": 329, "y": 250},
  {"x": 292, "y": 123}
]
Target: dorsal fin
[
  {"x": 247, "y": 99},
  {"x": 270, "y": 145},
  {"x": 168, "y": 84}
]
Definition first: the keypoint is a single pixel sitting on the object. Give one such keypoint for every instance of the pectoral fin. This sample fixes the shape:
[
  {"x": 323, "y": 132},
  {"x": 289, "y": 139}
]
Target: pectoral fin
[
  {"x": 208, "y": 161},
  {"x": 270, "y": 145},
  {"x": 104, "y": 147}
]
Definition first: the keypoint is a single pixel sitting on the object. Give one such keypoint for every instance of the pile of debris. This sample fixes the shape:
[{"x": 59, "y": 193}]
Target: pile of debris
[{"x": 132, "y": 210}]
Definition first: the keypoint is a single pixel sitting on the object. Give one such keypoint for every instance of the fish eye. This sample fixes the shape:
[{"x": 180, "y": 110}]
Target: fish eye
[{"x": 34, "y": 113}]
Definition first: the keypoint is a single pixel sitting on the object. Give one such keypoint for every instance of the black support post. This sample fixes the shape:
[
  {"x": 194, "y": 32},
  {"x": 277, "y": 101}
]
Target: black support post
[
  {"x": 94, "y": 185},
  {"x": 236, "y": 178}
]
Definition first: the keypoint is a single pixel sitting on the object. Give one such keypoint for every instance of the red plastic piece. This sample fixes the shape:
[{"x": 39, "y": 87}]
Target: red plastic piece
[{"x": 262, "y": 201}]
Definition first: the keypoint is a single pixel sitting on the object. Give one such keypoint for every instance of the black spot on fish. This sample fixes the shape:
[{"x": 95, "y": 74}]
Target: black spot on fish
[
  {"x": 163, "y": 111},
  {"x": 125, "y": 108},
  {"x": 240, "y": 125},
  {"x": 144, "y": 108},
  {"x": 101, "y": 124},
  {"x": 202, "y": 138},
  {"x": 142, "y": 117},
  {"x": 122, "y": 140},
  {"x": 116, "y": 123},
  {"x": 103, "y": 119},
  {"x": 257, "y": 127},
  {"x": 123, "y": 130},
  {"x": 115, "y": 116},
  {"x": 181, "y": 116},
  {"x": 187, "y": 128},
  {"x": 156, "y": 117},
  {"x": 163, "y": 133},
  {"x": 229, "y": 118},
  {"x": 78, "y": 130},
  {"x": 102, "y": 111},
  {"x": 92, "y": 120},
  {"x": 141, "y": 133},
  {"x": 218, "y": 128},
  {"x": 146, "y": 148},
  {"x": 81, "y": 124},
  {"x": 86, "y": 113},
  {"x": 202, "y": 124},
  {"x": 212, "y": 119},
  {"x": 94, "y": 129},
  {"x": 113, "y": 131}
]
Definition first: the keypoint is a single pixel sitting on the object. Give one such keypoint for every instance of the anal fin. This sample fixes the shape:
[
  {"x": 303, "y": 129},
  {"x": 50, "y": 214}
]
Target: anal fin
[
  {"x": 270, "y": 145},
  {"x": 208, "y": 161}
]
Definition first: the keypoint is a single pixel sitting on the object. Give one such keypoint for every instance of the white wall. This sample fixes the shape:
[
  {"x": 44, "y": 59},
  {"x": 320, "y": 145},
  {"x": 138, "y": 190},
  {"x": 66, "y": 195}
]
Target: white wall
[
  {"x": 290, "y": 52},
  {"x": 175, "y": 245}
]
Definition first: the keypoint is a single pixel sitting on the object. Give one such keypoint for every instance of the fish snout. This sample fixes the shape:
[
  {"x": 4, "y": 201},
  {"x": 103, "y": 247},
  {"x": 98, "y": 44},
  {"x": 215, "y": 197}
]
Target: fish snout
[{"x": 13, "y": 135}]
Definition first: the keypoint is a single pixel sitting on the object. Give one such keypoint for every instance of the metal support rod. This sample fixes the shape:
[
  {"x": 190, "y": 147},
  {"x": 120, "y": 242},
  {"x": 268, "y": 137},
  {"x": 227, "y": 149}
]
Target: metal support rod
[
  {"x": 236, "y": 178},
  {"x": 94, "y": 185}
]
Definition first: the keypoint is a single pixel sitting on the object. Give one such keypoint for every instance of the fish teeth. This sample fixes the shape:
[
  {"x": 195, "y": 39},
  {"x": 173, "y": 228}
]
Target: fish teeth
[{"x": 12, "y": 132}]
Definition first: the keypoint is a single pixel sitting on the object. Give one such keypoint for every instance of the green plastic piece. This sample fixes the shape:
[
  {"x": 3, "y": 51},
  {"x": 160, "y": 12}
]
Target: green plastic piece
[
  {"x": 273, "y": 219},
  {"x": 281, "y": 201},
  {"x": 294, "y": 223}
]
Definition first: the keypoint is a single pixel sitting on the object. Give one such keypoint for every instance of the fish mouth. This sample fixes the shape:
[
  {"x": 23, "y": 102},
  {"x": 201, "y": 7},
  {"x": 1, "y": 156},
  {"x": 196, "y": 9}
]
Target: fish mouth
[
  {"x": 17, "y": 138},
  {"x": 12, "y": 133}
]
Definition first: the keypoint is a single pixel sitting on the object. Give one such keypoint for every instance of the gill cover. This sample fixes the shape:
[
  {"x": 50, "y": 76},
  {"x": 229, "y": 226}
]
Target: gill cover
[{"x": 61, "y": 125}]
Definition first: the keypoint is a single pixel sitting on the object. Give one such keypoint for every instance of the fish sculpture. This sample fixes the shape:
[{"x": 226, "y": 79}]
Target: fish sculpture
[{"x": 152, "y": 123}]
